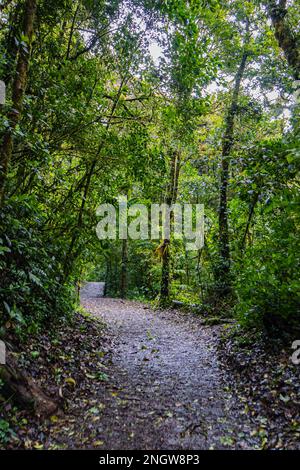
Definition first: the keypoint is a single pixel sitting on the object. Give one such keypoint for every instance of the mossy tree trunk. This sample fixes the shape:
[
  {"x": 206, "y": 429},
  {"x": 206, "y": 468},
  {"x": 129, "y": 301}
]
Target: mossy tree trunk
[
  {"x": 18, "y": 92},
  {"x": 164, "y": 249},
  {"x": 224, "y": 262}
]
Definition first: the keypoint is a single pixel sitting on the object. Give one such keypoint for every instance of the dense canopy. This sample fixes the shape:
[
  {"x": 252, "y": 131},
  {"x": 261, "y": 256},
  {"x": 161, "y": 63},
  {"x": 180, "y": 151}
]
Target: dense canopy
[{"x": 158, "y": 102}]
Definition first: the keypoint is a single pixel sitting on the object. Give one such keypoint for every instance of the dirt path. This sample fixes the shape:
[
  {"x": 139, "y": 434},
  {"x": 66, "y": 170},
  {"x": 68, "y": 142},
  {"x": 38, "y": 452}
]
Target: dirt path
[
  {"x": 165, "y": 389},
  {"x": 92, "y": 290}
]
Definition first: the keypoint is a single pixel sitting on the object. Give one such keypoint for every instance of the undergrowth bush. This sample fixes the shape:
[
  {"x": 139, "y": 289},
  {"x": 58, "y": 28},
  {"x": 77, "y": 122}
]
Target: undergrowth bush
[
  {"x": 268, "y": 284},
  {"x": 31, "y": 290}
]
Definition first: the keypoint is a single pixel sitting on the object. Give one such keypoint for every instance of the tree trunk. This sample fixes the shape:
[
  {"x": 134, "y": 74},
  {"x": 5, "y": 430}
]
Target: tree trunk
[
  {"x": 123, "y": 283},
  {"x": 223, "y": 271},
  {"x": 72, "y": 32},
  {"x": 107, "y": 275},
  {"x": 250, "y": 216},
  {"x": 289, "y": 42},
  {"x": 187, "y": 267},
  {"x": 164, "y": 249},
  {"x": 24, "y": 391},
  {"x": 165, "y": 274},
  {"x": 11, "y": 48},
  {"x": 18, "y": 92}
]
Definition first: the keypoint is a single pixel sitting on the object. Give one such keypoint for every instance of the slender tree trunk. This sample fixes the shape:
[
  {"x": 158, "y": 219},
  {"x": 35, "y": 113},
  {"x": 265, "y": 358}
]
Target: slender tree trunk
[
  {"x": 107, "y": 276},
  {"x": 11, "y": 48},
  {"x": 72, "y": 32},
  {"x": 223, "y": 271},
  {"x": 164, "y": 249},
  {"x": 24, "y": 391},
  {"x": 187, "y": 267},
  {"x": 18, "y": 92},
  {"x": 165, "y": 274},
  {"x": 115, "y": 275},
  {"x": 123, "y": 283},
  {"x": 250, "y": 216},
  {"x": 287, "y": 40}
]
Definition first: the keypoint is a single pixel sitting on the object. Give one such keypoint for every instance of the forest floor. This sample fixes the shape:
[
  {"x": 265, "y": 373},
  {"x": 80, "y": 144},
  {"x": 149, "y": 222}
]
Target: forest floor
[{"x": 136, "y": 378}]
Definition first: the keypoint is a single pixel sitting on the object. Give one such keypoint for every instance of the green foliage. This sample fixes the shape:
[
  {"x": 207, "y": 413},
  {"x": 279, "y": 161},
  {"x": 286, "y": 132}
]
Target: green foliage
[
  {"x": 31, "y": 292},
  {"x": 101, "y": 118},
  {"x": 5, "y": 431},
  {"x": 268, "y": 285}
]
